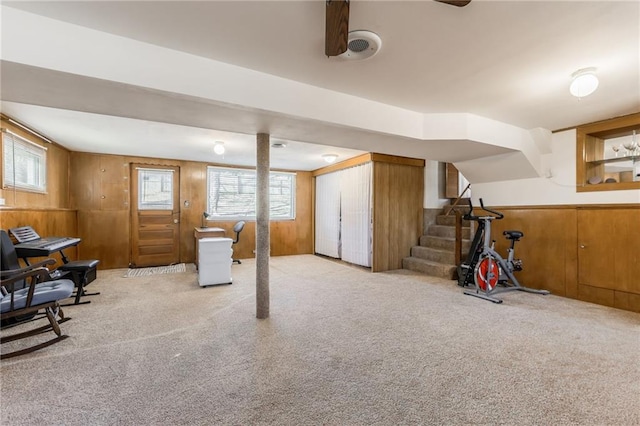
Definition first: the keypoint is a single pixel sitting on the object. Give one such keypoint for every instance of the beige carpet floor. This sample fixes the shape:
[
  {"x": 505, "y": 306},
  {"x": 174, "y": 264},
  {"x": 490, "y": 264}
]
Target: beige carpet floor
[{"x": 342, "y": 347}]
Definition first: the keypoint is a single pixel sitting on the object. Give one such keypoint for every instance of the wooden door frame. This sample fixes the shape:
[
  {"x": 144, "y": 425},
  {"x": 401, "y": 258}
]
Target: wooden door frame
[{"x": 175, "y": 212}]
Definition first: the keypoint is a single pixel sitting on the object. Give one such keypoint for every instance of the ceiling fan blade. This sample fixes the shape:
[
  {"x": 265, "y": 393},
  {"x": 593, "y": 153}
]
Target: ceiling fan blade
[
  {"x": 459, "y": 3},
  {"x": 337, "y": 27}
]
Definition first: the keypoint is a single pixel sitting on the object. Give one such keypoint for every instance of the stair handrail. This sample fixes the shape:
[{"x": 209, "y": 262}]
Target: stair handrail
[
  {"x": 457, "y": 251},
  {"x": 455, "y": 203}
]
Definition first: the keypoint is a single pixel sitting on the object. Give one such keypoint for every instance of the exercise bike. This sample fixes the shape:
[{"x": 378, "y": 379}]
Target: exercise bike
[{"x": 485, "y": 270}]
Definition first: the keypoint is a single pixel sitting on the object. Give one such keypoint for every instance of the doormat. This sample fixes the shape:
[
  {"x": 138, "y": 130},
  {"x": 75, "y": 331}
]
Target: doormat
[{"x": 145, "y": 272}]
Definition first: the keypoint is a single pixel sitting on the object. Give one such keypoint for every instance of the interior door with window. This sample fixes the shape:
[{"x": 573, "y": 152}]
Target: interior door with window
[{"x": 155, "y": 215}]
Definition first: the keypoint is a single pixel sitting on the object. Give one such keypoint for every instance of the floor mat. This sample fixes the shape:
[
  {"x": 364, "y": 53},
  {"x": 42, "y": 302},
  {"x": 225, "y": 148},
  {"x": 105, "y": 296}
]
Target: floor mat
[{"x": 143, "y": 272}]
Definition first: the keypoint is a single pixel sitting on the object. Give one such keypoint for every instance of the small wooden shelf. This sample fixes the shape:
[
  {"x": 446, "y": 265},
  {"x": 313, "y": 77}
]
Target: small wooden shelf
[
  {"x": 590, "y": 152},
  {"x": 633, "y": 159}
]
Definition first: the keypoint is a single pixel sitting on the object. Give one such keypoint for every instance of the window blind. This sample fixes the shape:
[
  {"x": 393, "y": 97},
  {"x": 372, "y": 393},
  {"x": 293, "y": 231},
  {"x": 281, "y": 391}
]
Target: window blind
[
  {"x": 25, "y": 163},
  {"x": 231, "y": 194}
]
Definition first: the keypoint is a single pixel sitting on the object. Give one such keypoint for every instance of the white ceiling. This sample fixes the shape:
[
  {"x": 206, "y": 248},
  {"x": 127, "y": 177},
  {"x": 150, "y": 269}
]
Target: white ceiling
[
  {"x": 508, "y": 61},
  {"x": 88, "y": 132}
]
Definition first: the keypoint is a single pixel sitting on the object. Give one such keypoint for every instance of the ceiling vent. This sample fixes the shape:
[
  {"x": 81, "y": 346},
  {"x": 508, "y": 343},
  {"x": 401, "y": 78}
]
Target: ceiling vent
[{"x": 362, "y": 44}]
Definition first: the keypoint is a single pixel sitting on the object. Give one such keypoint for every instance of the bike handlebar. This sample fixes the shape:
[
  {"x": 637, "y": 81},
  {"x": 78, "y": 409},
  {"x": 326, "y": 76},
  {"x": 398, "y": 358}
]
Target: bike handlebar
[{"x": 470, "y": 216}]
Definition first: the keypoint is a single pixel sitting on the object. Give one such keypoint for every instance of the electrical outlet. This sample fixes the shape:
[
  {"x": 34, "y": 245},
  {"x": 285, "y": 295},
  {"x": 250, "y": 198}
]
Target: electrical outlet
[{"x": 1, "y": 201}]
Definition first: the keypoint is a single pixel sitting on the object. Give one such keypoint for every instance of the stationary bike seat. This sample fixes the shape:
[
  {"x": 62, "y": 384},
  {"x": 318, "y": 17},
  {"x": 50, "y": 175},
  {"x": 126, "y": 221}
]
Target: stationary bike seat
[{"x": 513, "y": 235}]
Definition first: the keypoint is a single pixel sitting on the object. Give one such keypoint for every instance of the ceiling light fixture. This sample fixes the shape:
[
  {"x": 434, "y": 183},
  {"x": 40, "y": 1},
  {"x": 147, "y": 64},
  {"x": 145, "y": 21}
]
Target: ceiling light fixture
[
  {"x": 278, "y": 145},
  {"x": 218, "y": 148},
  {"x": 330, "y": 158},
  {"x": 584, "y": 82}
]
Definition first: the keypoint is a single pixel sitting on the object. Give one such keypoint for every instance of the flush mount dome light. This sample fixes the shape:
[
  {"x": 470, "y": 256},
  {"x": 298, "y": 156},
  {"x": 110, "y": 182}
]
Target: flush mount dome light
[
  {"x": 330, "y": 158},
  {"x": 362, "y": 44},
  {"x": 278, "y": 145},
  {"x": 218, "y": 148},
  {"x": 584, "y": 82}
]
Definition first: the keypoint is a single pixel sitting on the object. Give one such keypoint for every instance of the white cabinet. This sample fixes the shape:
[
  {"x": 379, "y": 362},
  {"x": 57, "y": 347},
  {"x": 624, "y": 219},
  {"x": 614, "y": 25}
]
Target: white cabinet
[{"x": 215, "y": 260}]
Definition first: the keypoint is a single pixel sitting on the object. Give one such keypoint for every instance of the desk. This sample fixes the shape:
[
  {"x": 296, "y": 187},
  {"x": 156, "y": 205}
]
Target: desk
[{"x": 206, "y": 233}]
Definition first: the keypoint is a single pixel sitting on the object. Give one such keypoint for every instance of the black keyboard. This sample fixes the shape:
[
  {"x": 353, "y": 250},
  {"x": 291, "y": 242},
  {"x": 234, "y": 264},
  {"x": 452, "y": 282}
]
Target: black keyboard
[{"x": 31, "y": 245}]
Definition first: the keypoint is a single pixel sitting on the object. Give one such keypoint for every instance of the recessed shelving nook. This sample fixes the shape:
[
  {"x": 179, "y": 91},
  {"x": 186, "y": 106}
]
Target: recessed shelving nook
[{"x": 608, "y": 155}]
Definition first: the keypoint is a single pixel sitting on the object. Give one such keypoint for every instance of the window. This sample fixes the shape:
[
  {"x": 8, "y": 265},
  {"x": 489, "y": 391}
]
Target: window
[
  {"x": 25, "y": 164},
  {"x": 155, "y": 189},
  {"x": 232, "y": 194}
]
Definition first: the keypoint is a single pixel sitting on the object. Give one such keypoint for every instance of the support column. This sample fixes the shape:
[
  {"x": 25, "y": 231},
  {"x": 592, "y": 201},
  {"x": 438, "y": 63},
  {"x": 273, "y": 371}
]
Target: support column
[{"x": 262, "y": 227}]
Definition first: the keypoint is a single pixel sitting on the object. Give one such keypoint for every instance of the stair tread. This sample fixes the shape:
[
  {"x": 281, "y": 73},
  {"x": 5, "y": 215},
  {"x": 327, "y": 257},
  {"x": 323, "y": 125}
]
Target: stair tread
[
  {"x": 430, "y": 267},
  {"x": 429, "y": 262},
  {"x": 439, "y": 250},
  {"x": 434, "y": 247},
  {"x": 445, "y": 238}
]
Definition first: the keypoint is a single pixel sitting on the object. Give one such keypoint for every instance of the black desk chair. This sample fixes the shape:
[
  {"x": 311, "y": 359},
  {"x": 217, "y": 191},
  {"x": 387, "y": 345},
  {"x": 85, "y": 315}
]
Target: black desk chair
[{"x": 237, "y": 228}]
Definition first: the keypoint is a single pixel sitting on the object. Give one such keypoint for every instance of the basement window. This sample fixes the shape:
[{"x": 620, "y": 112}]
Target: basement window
[
  {"x": 24, "y": 164},
  {"x": 231, "y": 194}
]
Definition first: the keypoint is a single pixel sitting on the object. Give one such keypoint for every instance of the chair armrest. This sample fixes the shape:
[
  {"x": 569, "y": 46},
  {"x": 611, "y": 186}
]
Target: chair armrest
[
  {"x": 11, "y": 272},
  {"x": 36, "y": 275},
  {"x": 41, "y": 272}
]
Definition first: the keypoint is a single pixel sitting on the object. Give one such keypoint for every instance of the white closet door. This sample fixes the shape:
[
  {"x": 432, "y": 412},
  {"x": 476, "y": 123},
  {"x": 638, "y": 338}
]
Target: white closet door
[
  {"x": 355, "y": 194},
  {"x": 328, "y": 215}
]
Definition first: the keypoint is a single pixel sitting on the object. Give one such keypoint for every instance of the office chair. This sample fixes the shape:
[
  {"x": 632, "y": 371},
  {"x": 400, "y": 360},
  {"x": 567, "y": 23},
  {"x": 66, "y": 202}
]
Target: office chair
[{"x": 237, "y": 228}]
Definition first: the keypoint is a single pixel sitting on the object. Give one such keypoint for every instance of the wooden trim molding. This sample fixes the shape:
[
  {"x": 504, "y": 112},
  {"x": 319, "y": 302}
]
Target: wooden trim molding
[
  {"x": 361, "y": 159},
  {"x": 371, "y": 156},
  {"x": 392, "y": 159},
  {"x": 595, "y": 123},
  {"x": 567, "y": 206},
  {"x": 613, "y": 127},
  {"x": 36, "y": 209}
]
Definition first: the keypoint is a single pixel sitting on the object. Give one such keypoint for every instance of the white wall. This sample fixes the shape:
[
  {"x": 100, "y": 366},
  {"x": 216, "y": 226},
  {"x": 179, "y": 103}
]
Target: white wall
[
  {"x": 559, "y": 188},
  {"x": 434, "y": 182}
]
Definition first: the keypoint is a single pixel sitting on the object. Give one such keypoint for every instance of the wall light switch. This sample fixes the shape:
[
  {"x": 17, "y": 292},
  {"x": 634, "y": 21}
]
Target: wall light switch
[{"x": 1, "y": 201}]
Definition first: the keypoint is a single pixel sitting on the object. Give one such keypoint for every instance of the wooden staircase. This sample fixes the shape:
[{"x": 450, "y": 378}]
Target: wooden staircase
[{"x": 435, "y": 256}]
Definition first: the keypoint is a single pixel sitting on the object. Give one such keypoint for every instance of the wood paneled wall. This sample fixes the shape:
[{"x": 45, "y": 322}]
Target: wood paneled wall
[
  {"x": 49, "y": 214},
  {"x": 548, "y": 248},
  {"x": 609, "y": 256},
  {"x": 57, "y": 195},
  {"x": 100, "y": 193},
  {"x": 46, "y": 222},
  {"x": 398, "y": 191},
  {"x": 288, "y": 237},
  {"x": 590, "y": 253},
  {"x": 99, "y": 188}
]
